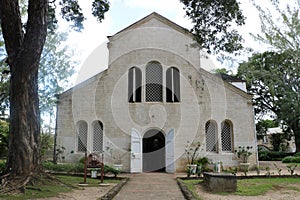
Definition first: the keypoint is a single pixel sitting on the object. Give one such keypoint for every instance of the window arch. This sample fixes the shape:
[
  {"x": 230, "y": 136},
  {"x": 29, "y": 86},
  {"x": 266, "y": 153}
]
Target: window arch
[
  {"x": 211, "y": 136},
  {"x": 173, "y": 85},
  {"x": 134, "y": 85},
  {"x": 154, "y": 88},
  {"x": 98, "y": 136},
  {"x": 226, "y": 136},
  {"x": 82, "y": 128}
]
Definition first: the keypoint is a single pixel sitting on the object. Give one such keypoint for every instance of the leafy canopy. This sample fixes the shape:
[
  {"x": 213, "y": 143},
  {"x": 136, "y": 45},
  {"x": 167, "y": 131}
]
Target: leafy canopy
[
  {"x": 274, "y": 76},
  {"x": 213, "y": 24}
]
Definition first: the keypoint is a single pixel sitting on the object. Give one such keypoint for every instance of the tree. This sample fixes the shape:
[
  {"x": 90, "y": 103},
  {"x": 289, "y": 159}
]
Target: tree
[
  {"x": 274, "y": 76},
  {"x": 56, "y": 67},
  {"x": 213, "y": 24},
  {"x": 274, "y": 80},
  {"x": 222, "y": 71},
  {"x": 263, "y": 125},
  {"x": 24, "y": 42}
]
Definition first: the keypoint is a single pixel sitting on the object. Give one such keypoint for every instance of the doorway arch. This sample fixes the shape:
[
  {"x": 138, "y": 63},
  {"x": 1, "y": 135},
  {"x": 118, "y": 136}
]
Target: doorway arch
[{"x": 154, "y": 158}]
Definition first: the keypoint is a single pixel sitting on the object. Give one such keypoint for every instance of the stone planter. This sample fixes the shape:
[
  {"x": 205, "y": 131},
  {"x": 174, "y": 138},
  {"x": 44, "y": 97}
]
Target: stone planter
[
  {"x": 118, "y": 167},
  {"x": 220, "y": 182},
  {"x": 244, "y": 166}
]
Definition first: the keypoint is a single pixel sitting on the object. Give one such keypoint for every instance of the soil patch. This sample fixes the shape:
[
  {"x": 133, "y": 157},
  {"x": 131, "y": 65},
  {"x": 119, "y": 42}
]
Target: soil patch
[{"x": 90, "y": 193}]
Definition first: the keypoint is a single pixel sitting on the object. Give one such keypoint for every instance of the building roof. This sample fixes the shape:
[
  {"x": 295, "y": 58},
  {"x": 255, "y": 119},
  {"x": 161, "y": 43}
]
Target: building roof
[
  {"x": 148, "y": 18},
  {"x": 274, "y": 130},
  {"x": 230, "y": 78}
]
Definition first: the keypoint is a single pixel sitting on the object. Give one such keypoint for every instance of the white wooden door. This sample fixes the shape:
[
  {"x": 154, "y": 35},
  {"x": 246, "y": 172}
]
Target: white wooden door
[
  {"x": 170, "y": 165},
  {"x": 136, "y": 152}
]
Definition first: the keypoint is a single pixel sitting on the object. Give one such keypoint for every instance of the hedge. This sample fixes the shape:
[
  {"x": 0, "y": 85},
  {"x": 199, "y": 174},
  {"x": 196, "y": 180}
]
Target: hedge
[
  {"x": 273, "y": 155},
  {"x": 291, "y": 159}
]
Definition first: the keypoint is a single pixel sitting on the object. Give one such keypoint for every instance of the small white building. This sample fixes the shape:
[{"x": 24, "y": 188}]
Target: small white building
[
  {"x": 154, "y": 99},
  {"x": 266, "y": 139}
]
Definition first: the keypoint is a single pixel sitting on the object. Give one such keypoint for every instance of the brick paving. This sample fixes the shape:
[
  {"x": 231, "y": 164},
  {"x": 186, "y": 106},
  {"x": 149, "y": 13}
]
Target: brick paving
[{"x": 150, "y": 186}]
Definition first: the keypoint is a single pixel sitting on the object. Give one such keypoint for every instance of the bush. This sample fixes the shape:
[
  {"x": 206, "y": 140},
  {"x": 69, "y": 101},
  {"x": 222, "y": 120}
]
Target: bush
[
  {"x": 76, "y": 168},
  {"x": 263, "y": 155},
  {"x": 297, "y": 154},
  {"x": 291, "y": 159},
  {"x": 272, "y": 155},
  {"x": 64, "y": 167},
  {"x": 109, "y": 169},
  {"x": 2, "y": 166}
]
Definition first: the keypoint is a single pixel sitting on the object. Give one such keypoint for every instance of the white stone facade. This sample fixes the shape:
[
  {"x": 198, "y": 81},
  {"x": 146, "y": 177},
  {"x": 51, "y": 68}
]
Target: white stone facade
[{"x": 203, "y": 97}]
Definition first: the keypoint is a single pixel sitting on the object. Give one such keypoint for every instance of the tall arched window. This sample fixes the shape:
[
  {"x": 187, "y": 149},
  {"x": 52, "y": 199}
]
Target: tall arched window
[
  {"x": 98, "y": 136},
  {"x": 173, "y": 85},
  {"x": 154, "y": 88},
  {"x": 82, "y": 128},
  {"x": 226, "y": 136},
  {"x": 134, "y": 85},
  {"x": 211, "y": 136}
]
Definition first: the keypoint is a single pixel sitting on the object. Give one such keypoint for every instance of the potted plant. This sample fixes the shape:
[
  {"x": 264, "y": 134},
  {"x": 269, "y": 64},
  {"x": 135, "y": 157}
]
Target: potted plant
[
  {"x": 244, "y": 153},
  {"x": 202, "y": 165},
  {"x": 192, "y": 152}
]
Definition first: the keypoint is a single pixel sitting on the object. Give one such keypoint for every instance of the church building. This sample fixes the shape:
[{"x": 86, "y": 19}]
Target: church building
[{"x": 153, "y": 101}]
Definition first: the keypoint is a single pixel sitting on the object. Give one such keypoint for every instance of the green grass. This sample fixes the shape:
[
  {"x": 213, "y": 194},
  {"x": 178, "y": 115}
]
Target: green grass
[
  {"x": 254, "y": 187},
  {"x": 191, "y": 185},
  {"x": 52, "y": 189}
]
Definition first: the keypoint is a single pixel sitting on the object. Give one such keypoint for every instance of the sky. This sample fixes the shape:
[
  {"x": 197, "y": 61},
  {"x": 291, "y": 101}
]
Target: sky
[{"x": 90, "y": 44}]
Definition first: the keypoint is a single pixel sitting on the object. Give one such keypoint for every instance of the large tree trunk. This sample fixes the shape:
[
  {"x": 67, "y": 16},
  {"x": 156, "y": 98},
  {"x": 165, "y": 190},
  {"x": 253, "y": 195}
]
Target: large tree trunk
[
  {"x": 24, "y": 51},
  {"x": 24, "y": 151}
]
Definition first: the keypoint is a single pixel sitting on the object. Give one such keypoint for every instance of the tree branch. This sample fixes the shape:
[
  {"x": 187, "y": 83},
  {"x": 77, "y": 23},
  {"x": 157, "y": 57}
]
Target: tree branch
[{"x": 11, "y": 27}]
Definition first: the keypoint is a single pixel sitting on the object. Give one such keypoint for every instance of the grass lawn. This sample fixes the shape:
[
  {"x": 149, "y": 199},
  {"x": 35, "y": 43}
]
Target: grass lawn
[
  {"x": 50, "y": 189},
  {"x": 253, "y": 187}
]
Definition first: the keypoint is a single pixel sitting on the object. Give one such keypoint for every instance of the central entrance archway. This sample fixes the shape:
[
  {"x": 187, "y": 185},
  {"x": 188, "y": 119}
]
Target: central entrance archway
[{"x": 154, "y": 158}]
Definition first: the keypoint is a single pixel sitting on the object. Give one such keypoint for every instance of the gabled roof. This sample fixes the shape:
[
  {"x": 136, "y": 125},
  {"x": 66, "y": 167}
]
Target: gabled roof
[
  {"x": 81, "y": 84},
  {"x": 226, "y": 83},
  {"x": 148, "y": 18}
]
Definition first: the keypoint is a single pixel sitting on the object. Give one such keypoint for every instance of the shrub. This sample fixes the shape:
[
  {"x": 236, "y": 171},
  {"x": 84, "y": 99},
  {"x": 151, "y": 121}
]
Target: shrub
[
  {"x": 273, "y": 155},
  {"x": 2, "y": 166},
  {"x": 263, "y": 155},
  {"x": 75, "y": 168},
  {"x": 109, "y": 169},
  {"x": 64, "y": 167},
  {"x": 291, "y": 159},
  {"x": 297, "y": 154}
]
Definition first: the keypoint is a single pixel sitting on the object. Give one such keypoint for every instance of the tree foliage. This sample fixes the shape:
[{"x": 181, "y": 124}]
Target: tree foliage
[
  {"x": 56, "y": 67},
  {"x": 4, "y": 126},
  {"x": 274, "y": 76},
  {"x": 213, "y": 24},
  {"x": 263, "y": 125}
]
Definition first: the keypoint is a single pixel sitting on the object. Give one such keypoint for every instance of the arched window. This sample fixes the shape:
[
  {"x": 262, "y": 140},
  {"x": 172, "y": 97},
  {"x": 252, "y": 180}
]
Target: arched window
[
  {"x": 82, "y": 128},
  {"x": 154, "y": 88},
  {"x": 226, "y": 136},
  {"x": 173, "y": 85},
  {"x": 134, "y": 85},
  {"x": 98, "y": 136},
  {"x": 211, "y": 136}
]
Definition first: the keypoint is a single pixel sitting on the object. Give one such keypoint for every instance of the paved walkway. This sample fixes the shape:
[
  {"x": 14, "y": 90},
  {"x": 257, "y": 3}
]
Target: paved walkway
[{"x": 150, "y": 186}]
